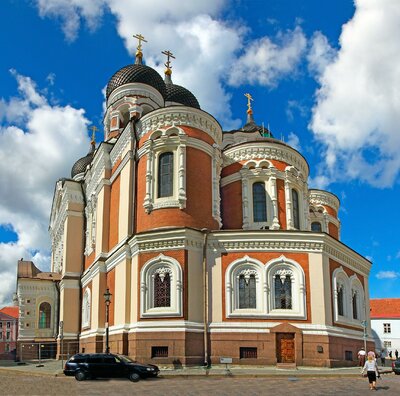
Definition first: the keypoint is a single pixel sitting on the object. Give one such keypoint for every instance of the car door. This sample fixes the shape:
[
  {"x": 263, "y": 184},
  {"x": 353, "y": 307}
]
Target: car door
[
  {"x": 95, "y": 365},
  {"x": 112, "y": 367}
]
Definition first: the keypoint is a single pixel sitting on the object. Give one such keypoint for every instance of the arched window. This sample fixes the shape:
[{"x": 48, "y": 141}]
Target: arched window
[
  {"x": 165, "y": 175},
  {"x": 44, "y": 315},
  {"x": 354, "y": 303},
  {"x": 259, "y": 202},
  {"x": 162, "y": 289},
  {"x": 283, "y": 292},
  {"x": 296, "y": 211},
  {"x": 340, "y": 300},
  {"x": 316, "y": 226},
  {"x": 86, "y": 308},
  {"x": 247, "y": 291}
]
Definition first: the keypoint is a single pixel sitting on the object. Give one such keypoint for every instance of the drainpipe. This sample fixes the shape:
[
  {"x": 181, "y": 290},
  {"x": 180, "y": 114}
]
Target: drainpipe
[
  {"x": 133, "y": 121},
  {"x": 205, "y": 232}
]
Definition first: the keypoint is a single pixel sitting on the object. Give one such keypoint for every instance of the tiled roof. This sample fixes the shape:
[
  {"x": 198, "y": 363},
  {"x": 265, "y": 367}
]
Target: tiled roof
[
  {"x": 385, "y": 308},
  {"x": 11, "y": 311}
]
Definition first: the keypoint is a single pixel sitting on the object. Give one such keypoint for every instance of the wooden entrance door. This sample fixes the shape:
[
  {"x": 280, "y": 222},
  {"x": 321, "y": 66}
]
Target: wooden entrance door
[{"x": 285, "y": 347}]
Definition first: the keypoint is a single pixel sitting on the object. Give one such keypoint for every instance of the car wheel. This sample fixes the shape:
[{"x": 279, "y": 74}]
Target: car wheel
[
  {"x": 80, "y": 375},
  {"x": 134, "y": 377}
]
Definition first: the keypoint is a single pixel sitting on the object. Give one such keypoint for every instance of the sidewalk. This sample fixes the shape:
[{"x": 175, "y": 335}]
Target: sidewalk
[{"x": 53, "y": 368}]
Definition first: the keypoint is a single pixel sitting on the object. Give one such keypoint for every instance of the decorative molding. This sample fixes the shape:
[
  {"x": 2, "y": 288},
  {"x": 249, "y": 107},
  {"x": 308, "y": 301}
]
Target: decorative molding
[
  {"x": 175, "y": 116},
  {"x": 319, "y": 197}
]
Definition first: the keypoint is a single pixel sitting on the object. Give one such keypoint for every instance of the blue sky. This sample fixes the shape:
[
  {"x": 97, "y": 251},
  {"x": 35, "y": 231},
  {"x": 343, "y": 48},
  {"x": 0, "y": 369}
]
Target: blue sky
[{"x": 324, "y": 76}]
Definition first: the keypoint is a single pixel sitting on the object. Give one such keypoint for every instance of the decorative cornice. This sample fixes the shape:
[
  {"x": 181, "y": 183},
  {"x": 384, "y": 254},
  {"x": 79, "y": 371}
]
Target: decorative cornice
[
  {"x": 120, "y": 145},
  {"x": 171, "y": 116},
  {"x": 320, "y": 197},
  {"x": 265, "y": 150}
]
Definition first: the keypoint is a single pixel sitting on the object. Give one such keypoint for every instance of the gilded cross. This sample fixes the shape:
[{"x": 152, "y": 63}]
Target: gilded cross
[
  {"x": 169, "y": 55},
  {"x": 140, "y": 38},
  {"x": 249, "y": 99},
  {"x": 94, "y": 129}
]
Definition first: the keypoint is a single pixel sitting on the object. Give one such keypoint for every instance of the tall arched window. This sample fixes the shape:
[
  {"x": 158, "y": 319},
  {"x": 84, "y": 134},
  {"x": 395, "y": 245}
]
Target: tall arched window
[
  {"x": 296, "y": 211},
  {"x": 247, "y": 291},
  {"x": 162, "y": 289},
  {"x": 165, "y": 175},
  {"x": 316, "y": 226},
  {"x": 259, "y": 202},
  {"x": 86, "y": 308},
  {"x": 354, "y": 304},
  {"x": 283, "y": 292},
  {"x": 44, "y": 315},
  {"x": 340, "y": 300}
]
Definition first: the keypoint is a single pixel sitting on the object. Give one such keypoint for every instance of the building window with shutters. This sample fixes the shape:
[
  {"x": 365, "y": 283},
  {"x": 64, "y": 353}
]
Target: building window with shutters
[{"x": 161, "y": 288}]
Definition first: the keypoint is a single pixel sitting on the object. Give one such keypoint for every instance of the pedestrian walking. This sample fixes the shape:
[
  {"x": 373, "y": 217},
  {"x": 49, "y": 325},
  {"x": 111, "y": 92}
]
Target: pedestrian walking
[
  {"x": 383, "y": 357},
  {"x": 361, "y": 357},
  {"x": 396, "y": 353},
  {"x": 371, "y": 367},
  {"x": 390, "y": 354}
]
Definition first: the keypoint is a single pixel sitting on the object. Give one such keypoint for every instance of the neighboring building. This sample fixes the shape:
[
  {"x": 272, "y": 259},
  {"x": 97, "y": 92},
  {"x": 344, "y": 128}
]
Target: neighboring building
[
  {"x": 38, "y": 300},
  {"x": 385, "y": 323},
  {"x": 8, "y": 332},
  {"x": 211, "y": 242}
]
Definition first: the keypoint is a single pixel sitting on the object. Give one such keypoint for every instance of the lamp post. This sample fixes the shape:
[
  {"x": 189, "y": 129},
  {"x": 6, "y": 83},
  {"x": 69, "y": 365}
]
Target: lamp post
[
  {"x": 365, "y": 324},
  {"x": 107, "y": 298}
]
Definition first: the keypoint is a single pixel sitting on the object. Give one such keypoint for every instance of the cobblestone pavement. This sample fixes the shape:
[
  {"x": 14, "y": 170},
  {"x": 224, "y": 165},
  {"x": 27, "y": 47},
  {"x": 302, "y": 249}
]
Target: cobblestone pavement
[{"x": 23, "y": 384}]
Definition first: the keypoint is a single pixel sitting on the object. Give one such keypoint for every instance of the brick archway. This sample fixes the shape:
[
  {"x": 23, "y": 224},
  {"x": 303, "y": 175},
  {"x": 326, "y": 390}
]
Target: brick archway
[{"x": 288, "y": 329}]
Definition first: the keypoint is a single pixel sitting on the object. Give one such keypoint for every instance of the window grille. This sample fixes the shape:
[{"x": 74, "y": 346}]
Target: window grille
[
  {"x": 162, "y": 290},
  {"x": 165, "y": 175},
  {"x": 348, "y": 355},
  {"x": 159, "y": 351},
  {"x": 248, "y": 353},
  {"x": 247, "y": 291},
  {"x": 259, "y": 202},
  {"x": 283, "y": 292}
]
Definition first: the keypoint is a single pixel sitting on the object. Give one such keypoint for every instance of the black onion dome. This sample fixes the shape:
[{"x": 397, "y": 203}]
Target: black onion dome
[
  {"x": 136, "y": 73},
  {"x": 82, "y": 163},
  {"x": 181, "y": 95}
]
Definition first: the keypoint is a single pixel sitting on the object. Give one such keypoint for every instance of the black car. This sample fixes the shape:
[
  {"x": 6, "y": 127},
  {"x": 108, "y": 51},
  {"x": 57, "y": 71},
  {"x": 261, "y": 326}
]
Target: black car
[
  {"x": 107, "y": 365},
  {"x": 396, "y": 366}
]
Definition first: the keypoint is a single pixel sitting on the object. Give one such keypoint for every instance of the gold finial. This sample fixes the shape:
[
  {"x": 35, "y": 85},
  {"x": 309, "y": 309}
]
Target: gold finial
[
  {"x": 139, "y": 47},
  {"x": 94, "y": 129},
  {"x": 167, "y": 64},
  {"x": 249, "y": 99}
]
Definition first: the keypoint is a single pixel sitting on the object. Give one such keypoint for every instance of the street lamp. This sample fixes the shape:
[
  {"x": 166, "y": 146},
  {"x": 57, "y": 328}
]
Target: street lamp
[
  {"x": 107, "y": 298},
  {"x": 365, "y": 324}
]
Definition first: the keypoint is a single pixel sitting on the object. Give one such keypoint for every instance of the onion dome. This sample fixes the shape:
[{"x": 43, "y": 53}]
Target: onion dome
[
  {"x": 136, "y": 73},
  {"x": 181, "y": 95},
  {"x": 82, "y": 163}
]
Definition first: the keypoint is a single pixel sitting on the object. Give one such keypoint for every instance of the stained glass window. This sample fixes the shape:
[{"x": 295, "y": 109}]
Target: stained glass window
[
  {"x": 259, "y": 202},
  {"x": 247, "y": 291},
  {"x": 162, "y": 290},
  {"x": 283, "y": 292},
  {"x": 296, "y": 212},
  {"x": 44, "y": 315},
  {"x": 165, "y": 175}
]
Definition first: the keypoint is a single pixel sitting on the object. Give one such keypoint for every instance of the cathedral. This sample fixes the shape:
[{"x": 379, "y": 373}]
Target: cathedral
[{"x": 174, "y": 241}]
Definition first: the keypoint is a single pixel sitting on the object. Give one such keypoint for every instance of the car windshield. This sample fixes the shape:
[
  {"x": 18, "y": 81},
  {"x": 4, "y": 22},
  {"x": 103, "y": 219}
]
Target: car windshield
[{"x": 126, "y": 359}]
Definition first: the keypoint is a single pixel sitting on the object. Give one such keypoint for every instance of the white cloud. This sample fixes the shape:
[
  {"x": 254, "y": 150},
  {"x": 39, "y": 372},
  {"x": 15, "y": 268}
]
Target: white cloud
[
  {"x": 320, "y": 54},
  {"x": 35, "y": 153},
  {"x": 294, "y": 141},
  {"x": 205, "y": 47},
  {"x": 387, "y": 275},
  {"x": 265, "y": 62},
  {"x": 356, "y": 113}
]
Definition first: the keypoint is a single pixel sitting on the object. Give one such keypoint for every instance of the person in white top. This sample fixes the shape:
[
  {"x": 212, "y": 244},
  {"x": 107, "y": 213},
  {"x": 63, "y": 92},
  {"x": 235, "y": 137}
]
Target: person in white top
[
  {"x": 361, "y": 357},
  {"x": 372, "y": 370}
]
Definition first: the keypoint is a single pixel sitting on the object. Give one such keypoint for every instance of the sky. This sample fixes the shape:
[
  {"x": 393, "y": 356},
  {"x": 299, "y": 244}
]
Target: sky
[{"x": 324, "y": 76}]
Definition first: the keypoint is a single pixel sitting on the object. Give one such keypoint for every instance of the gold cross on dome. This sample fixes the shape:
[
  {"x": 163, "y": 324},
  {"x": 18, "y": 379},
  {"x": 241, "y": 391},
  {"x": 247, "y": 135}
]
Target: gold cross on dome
[
  {"x": 94, "y": 129},
  {"x": 169, "y": 54},
  {"x": 140, "y": 39},
  {"x": 249, "y": 99}
]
